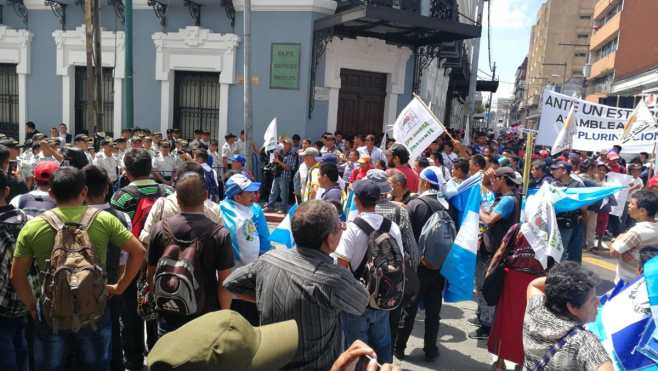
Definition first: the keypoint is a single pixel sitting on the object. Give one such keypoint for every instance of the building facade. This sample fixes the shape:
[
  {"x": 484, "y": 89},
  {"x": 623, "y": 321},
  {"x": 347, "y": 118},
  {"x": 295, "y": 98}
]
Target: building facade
[
  {"x": 518, "y": 108},
  {"x": 558, "y": 50},
  {"x": 624, "y": 57},
  {"x": 317, "y": 65}
]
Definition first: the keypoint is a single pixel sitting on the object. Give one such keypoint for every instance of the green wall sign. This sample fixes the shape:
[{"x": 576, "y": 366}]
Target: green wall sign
[{"x": 284, "y": 68}]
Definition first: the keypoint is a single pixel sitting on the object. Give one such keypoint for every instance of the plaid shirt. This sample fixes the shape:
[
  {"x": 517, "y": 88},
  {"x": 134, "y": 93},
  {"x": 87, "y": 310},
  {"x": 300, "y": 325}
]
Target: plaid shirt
[
  {"x": 291, "y": 159},
  {"x": 11, "y": 221}
]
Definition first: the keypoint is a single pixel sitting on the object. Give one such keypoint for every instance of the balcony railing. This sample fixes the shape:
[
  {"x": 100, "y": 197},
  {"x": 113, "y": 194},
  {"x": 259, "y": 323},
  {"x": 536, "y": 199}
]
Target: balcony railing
[{"x": 442, "y": 9}]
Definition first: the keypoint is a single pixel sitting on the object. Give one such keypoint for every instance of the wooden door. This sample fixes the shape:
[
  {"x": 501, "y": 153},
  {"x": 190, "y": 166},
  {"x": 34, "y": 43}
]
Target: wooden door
[{"x": 361, "y": 102}]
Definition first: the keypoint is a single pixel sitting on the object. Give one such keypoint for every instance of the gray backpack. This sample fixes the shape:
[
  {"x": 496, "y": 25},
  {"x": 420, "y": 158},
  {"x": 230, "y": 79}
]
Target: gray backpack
[{"x": 436, "y": 237}]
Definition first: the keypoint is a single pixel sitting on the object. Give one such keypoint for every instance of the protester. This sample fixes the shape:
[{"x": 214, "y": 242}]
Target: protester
[
  {"x": 13, "y": 323},
  {"x": 570, "y": 223},
  {"x": 285, "y": 162},
  {"x": 37, "y": 201},
  {"x": 364, "y": 165},
  {"x": 136, "y": 200},
  {"x": 372, "y": 326},
  {"x": 431, "y": 283},
  {"x": 310, "y": 183},
  {"x": 189, "y": 231},
  {"x": 36, "y": 241},
  {"x": 329, "y": 183},
  {"x": 399, "y": 191},
  {"x": 250, "y": 236},
  {"x": 307, "y": 286},
  {"x": 558, "y": 307},
  {"x": 642, "y": 208},
  {"x": 400, "y": 161},
  {"x": 497, "y": 220},
  {"x": 375, "y": 154}
]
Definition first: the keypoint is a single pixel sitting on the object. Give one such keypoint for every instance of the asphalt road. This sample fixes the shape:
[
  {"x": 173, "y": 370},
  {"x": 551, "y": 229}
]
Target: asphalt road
[{"x": 458, "y": 351}]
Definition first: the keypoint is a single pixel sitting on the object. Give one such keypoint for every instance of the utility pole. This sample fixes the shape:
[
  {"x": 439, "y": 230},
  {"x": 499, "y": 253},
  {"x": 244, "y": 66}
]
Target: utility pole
[
  {"x": 128, "y": 82},
  {"x": 89, "y": 48},
  {"x": 248, "y": 119},
  {"x": 475, "y": 59},
  {"x": 493, "y": 77},
  {"x": 98, "y": 70}
]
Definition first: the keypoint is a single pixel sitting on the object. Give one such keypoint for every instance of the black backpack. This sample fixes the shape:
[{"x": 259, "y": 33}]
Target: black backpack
[
  {"x": 33, "y": 205},
  {"x": 382, "y": 268}
]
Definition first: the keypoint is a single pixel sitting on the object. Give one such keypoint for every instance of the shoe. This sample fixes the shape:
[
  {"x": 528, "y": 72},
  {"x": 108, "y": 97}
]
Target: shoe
[
  {"x": 474, "y": 321},
  {"x": 481, "y": 333},
  {"x": 399, "y": 354},
  {"x": 431, "y": 356}
]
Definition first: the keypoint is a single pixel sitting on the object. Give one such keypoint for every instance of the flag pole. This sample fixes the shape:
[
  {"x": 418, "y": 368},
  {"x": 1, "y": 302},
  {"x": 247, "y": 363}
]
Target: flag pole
[
  {"x": 529, "y": 149},
  {"x": 436, "y": 118}
]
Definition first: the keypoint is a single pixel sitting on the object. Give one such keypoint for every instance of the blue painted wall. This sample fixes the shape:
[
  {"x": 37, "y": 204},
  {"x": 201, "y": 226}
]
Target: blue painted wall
[{"x": 290, "y": 106}]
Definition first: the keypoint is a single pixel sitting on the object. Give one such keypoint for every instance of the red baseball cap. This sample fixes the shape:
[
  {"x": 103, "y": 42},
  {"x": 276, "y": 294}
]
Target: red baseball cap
[
  {"x": 653, "y": 182},
  {"x": 45, "y": 170}
]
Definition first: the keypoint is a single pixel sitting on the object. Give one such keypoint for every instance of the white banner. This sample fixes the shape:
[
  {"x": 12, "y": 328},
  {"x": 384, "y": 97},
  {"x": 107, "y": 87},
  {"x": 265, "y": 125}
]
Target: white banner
[
  {"x": 270, "y": 136},
  {"x": 598, "y": 126},
  {"x": 416, "y": 128},
  {"x": 617, "y": 179}
]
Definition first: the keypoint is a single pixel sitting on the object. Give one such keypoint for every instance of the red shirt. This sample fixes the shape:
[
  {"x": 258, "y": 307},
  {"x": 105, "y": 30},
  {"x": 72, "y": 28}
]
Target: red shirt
[
  {"x": 412, "y": 177},
  {"x": 357, "y": 174}
]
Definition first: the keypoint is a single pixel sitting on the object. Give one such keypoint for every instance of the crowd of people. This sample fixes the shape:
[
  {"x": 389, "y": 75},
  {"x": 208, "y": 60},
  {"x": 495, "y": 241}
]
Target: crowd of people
[{"x": 149, "y": 250}]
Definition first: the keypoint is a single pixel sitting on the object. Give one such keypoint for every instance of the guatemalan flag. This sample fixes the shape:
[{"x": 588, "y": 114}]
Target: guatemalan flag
[
  {"x": 283, "y": 232},
  {"x": 459, "y": 266},
  {"x": 458, "y": 195},
  {"x": 626, "y": 322},
  {"x": 349, "y": 210}
]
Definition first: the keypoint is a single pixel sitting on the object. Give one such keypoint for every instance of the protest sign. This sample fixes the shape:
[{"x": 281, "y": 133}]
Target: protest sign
[
  {"x": 416, "y": 128},
  {"x": 598, "y": 126},
  {"x": 617, "y": 179}
]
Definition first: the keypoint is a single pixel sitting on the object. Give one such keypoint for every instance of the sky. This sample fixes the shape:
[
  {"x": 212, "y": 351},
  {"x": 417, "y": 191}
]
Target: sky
[{"x": 511, "y": 21}]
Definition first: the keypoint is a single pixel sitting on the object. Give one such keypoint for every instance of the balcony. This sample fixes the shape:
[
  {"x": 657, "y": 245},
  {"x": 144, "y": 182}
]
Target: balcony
[
  {"x": 605, "y": 33},
  {"x": 601, "y": 7},
  {"x": 398, "y": 22},
  {"x": 603, "y": 66}
]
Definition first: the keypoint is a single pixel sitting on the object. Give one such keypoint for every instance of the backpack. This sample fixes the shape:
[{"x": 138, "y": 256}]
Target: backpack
[
  {"x": 214, "y": 193},
  {"x": 74, "y": 293},
  {"x": 144, "y": 206},
  {"x": 382, "y": 268},
  {"x": 178, "y": 289},
  {"x": 436, "y": 237},
  {"x": 33, "y": 205}
]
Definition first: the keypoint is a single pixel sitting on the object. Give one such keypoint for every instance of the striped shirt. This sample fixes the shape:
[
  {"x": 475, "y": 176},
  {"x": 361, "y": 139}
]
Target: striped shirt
[
  {"x": 304, "y": 285},
  {"x": 127, "y": 202}
]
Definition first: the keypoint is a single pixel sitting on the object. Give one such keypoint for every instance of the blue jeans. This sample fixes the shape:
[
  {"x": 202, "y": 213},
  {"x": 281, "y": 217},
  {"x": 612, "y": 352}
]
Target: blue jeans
[
  {"x": 573, "y": 240},
  {"x": 280, "y": 188},
  {"x": 13, "y": 345},
  {"x": 89, "y": 348},
  {"x": 373, "y": 328}
]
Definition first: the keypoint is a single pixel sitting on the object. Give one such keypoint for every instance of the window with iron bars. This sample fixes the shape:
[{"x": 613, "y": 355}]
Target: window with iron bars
[{"x": 8, "y": 100}]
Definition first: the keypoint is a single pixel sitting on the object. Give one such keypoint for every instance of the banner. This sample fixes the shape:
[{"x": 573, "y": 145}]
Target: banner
[
  {"x": 598, "y": 126},
  {"x": 416, "y": 128},
  {"x": 621, "y": 196},
  {"x": 270, "y": 137}
]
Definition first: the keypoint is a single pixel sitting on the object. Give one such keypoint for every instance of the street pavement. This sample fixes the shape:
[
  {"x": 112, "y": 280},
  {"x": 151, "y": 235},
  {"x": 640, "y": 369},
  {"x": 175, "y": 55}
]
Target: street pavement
[{"x": 458, "y": 351}]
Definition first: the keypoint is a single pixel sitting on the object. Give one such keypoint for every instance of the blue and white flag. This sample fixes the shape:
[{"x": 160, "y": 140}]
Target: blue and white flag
[
  {"x": 349, "y": 210},
  {"x": 570, "y": 199},
  {"x": 621, "y": 323},
  {"x": 458, "y": 196},
  {"x": 283, "y": 232},
  {"x": 459, "y": 266},
  {"x": 649, "y": 342}
]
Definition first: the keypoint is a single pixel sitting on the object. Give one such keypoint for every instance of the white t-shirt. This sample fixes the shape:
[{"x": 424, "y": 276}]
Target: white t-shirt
[{"x": 354, "y": 242}]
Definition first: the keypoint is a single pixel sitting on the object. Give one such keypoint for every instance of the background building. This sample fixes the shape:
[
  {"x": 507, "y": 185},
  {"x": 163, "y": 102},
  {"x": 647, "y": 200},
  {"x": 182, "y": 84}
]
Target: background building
[
  {"x": 554, "y": 57},
  {"x": 518, "y": 108},
  {"x": 317, "y": 65},
  {"x": 624, "y": 56}
]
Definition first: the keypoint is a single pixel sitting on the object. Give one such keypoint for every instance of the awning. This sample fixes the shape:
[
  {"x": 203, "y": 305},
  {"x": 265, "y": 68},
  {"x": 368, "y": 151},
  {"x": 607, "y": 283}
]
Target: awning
[{"x": 396, "y": 26}]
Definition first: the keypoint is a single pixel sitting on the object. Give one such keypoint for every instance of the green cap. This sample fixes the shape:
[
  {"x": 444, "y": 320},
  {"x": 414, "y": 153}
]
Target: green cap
[{"x": 224, "y": 340}]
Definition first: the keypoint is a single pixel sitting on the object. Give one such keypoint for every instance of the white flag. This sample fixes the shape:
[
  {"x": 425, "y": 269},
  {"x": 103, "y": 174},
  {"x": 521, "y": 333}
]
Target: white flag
[
  {"x": 416, "y": 128},
  {"x": 270, "y": 136},
  {"x": 564, "y": 138},
  {"x": 640, "y": 120},
  {"x": 382, "y": 146},
  {"x": 540, "y": 227}
]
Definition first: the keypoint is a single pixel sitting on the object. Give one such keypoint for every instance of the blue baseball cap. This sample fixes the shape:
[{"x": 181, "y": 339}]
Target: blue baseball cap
[
  {"x": 327, "y": 158},
  {"x": 239, "y": 183},
  {"x": 239, "y": 158}
]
